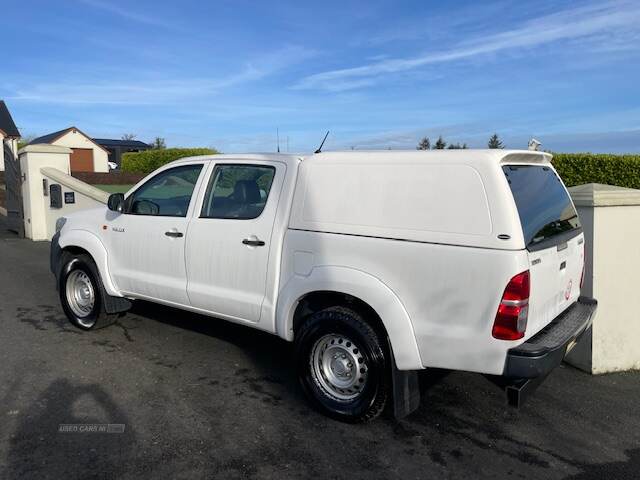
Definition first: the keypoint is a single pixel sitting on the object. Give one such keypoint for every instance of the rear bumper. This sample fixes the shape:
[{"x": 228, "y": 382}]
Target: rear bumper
[{"x": 544, "y": 351}]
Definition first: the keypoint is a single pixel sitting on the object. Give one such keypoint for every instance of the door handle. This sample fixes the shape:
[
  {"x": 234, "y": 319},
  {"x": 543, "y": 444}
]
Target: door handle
[
  {"x": 174, "y": 234},
  {"x": 253, "y": 242}
]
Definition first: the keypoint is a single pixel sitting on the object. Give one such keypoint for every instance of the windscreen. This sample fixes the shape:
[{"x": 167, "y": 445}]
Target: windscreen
[{"x": 543, "y": 204}]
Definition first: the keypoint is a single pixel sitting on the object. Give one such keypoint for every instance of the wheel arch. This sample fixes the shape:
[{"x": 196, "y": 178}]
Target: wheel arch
[
  {"x": 82, "y": 241},
  {"x": 327, "y": 284}
]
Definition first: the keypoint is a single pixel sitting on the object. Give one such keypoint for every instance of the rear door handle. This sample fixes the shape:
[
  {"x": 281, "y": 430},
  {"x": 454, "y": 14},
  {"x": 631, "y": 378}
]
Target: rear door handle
[
  {"x": 174, "y": 234},
  {"x": 253, "y": 242}
]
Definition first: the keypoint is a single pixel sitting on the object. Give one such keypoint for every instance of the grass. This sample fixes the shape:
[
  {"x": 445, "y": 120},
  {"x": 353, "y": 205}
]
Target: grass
[{"x": 114, "y": 188}]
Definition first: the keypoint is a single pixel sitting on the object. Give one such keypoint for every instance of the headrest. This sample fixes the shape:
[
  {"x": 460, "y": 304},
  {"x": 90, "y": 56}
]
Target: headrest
[{"x": 246, "y": 191}]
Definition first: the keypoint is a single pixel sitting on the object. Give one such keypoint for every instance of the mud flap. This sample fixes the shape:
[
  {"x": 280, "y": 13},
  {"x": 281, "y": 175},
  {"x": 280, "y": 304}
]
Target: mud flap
[
  {"x": 115, "y": 304},
  {"x": 406, "y": 390}
]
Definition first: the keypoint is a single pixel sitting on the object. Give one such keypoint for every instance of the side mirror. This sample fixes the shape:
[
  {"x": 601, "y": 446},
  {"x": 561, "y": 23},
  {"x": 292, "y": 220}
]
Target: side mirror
[{"x": 116, "y": 202}]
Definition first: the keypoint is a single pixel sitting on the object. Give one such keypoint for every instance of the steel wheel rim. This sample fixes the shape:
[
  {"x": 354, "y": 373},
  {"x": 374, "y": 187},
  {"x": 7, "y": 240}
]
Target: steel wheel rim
[
  {"x": 81, "y": 296},
  {"x": 339, "y": 367}
]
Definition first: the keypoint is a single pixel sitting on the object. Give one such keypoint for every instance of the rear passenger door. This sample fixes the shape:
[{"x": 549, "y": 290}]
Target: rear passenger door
[{"x": 229, "y": 239}]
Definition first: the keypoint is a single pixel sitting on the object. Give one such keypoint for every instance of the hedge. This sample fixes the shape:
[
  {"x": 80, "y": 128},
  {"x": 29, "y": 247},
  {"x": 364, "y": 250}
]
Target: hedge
[
  {"x": 580, "y": 168},
  {"x": 148, "y": 161}
]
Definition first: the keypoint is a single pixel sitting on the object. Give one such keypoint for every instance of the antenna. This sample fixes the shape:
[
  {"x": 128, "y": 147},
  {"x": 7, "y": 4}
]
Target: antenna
[
  {"x": 278, "y": 138},
  {"x": 322, "y": 144}
]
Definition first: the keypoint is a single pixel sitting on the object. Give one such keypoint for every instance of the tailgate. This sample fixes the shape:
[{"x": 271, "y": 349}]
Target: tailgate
[
  {"x": 555, "y": 276},
  {"x": 553, "y": 238}
]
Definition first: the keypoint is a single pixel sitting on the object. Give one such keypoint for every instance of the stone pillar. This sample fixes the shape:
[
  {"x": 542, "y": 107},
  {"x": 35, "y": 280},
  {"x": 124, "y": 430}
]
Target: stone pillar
[
  {"x": 32, "y": 159},
  {"x": 611, "y": 220}
]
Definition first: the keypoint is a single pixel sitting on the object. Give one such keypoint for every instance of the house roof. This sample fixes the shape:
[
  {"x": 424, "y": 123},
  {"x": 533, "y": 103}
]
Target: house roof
[
  {"x": 52, "y": 137},
  {"x": 108, "y": 142},
  {"x": 7, "y": 126}
]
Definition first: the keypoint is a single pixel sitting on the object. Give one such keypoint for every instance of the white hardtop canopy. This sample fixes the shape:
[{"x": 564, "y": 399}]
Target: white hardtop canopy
[{"x": 460, "y": 155}]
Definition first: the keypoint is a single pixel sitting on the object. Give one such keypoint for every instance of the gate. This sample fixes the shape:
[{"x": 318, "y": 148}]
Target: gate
[{"x": 13, "y": 181}]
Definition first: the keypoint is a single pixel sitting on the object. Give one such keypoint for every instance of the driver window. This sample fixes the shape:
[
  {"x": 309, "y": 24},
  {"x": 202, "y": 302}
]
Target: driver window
[{"x": 167, "y": 194}]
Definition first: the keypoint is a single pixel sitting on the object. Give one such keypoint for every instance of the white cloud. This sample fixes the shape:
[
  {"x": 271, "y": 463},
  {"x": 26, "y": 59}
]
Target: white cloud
[
  {"x": 154, "y": 89},
  {"x": 127, "y": 13},
  {"x": 618, "y": 18}
]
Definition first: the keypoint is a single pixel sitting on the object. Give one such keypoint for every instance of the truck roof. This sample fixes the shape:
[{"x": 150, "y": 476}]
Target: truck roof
[{"x": 465, "y": 155}]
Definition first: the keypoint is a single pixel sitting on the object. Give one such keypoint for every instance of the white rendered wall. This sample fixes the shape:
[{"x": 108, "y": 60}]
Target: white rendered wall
[
  {"x": 611, "y": 220},
  {"x": 86, "y": 196}
]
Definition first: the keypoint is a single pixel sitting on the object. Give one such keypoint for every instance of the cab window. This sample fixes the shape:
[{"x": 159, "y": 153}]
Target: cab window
[
  {"x": 238, "y": 191},
  {"x": 167, "y": 194}
]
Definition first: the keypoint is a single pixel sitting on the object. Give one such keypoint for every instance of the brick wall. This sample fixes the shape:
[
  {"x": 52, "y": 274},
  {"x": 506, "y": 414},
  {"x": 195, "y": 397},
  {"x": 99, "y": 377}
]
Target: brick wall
[{"x": 111, "y": 178}]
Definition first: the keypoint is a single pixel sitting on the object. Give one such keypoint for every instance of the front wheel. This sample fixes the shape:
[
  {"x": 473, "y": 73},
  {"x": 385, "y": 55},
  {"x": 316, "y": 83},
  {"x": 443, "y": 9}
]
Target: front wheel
[
  {"x": 343, "y": 365},
  {"x": 81, "y": 293}
]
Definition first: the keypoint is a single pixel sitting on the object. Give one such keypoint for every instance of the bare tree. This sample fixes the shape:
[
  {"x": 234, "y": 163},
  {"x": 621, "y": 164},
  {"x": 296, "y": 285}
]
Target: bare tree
[
  {"x": 158, "y": 143},
  {"x": 129, "y": 136}
]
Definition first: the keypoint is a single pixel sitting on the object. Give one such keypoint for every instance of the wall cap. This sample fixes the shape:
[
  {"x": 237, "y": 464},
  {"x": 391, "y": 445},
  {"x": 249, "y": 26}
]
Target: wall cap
[
  {"x": 75, "y": 184},
  {"x": 44, "y": 148},
  {"x": 601, "y": 195}
]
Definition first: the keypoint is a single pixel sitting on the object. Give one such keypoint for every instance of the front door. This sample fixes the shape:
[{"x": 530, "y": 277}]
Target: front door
[
  {"x": 147, "y": 241},
  {"x": 229, "y": 239}
]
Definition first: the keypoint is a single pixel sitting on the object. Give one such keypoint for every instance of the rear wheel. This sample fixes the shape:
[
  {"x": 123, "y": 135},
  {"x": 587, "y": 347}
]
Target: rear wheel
[
  {"x": 81, "y": 293},
  {"x": 342, "y": 365}
]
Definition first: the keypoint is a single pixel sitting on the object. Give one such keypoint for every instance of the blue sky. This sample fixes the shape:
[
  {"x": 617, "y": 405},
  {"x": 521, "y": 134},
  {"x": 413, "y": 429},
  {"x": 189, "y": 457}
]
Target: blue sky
[{"x": 378, "y": 74}]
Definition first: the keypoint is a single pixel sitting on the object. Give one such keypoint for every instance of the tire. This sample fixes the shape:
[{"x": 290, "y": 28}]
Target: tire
[
  {"x": 343, "y": 365},
  {"x": 82, "y": 293}
]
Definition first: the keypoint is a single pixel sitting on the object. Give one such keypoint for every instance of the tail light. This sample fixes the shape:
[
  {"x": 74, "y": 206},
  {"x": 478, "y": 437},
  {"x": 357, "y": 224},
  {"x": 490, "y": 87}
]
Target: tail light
[
  {"x": 511, "y": 319},
  {"x": 584, "y": 264}
]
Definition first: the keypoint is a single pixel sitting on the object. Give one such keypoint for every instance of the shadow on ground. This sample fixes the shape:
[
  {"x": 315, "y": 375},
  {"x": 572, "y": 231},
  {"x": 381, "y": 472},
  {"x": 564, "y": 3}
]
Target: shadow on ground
[{"x": 63, "y": 402}]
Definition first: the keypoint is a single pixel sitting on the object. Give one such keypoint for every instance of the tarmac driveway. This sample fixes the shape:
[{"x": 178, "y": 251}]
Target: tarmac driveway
[{"x": 199, "y": 397}]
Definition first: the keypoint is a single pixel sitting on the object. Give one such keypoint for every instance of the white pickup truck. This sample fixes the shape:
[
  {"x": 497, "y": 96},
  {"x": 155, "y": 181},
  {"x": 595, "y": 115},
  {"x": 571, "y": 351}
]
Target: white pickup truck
[{"x": 376, "y": 264}]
